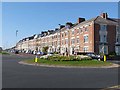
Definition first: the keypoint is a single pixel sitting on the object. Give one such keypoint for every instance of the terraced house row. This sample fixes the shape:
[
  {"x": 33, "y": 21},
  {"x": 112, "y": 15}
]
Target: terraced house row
[{"x": 97, "y": 35}]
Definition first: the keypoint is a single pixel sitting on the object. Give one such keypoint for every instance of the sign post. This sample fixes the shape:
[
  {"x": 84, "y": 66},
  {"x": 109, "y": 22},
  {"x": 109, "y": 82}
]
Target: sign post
[
  {"x": 36, "y": 59},
  {"x": 104, "y": 58}
]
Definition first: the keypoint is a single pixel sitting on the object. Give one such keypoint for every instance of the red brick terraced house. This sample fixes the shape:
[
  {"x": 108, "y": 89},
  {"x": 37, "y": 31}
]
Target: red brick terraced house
[{"x": 97, "y": 35}]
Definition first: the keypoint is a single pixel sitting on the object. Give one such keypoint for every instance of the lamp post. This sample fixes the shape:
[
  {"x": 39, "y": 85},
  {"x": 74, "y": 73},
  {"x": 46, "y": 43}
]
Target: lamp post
[
  {"x": 104, "y": 56},
  {"x": 103, "y": 48},
  {"x": 16, "y": 37},
  {"x": 60, "y": 37},
  {"x": 68, "y": 43}
]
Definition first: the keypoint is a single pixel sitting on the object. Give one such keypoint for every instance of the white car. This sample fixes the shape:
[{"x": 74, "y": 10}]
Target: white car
[
  {"x": 49, "y": 54},
  {"x": 38, "y": 53},
  {"x": 46, "y": 56},
  {"x": 34, "y": 52}
]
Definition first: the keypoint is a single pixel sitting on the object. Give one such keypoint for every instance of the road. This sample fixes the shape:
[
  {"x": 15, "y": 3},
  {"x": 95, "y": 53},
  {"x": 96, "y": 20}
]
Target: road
[{"x": 16, "y": 75}]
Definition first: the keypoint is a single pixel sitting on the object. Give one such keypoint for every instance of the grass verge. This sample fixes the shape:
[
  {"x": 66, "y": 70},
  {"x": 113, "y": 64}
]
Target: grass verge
[
  {"x": 71, "y": 63},
  {"x": 4, "y": 53}
]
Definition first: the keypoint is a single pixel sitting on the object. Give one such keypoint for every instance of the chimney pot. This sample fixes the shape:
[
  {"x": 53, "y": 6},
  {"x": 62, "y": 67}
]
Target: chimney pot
[
  {"x": 104, "y": 15},
  {"x": 81, "y": 20}
]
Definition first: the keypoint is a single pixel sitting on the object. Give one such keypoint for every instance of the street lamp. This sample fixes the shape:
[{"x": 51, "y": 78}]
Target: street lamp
[
  {"x": 68, "y": 43},
  {"x": 60, "y": 37},
  {"x": 103, "y": 48},
  {"x": 16, "y": 37}
]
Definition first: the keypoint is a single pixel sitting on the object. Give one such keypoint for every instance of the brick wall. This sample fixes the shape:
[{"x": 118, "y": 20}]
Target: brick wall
[
  {"x": 96, "y": 38},
  {"x": 111, "y": 38}
]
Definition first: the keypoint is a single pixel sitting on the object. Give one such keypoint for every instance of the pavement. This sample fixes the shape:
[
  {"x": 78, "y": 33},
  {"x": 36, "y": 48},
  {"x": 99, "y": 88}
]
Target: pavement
[
  {"x": 115, "y": 61},
  {"x": 17, "y": 75}
]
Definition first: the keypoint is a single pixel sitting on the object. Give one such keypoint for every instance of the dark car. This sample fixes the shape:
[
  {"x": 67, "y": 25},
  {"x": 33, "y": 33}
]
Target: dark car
[
  {"x": 94, "y": 56},
  {"x": 16, "y": 52}
]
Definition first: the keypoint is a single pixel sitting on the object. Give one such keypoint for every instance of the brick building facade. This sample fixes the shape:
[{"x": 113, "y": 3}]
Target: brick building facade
[{"x": 97, "y": 35}]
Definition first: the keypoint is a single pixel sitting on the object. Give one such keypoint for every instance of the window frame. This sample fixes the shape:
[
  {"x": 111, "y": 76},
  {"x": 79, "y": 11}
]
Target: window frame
[
  {"x": 103, "y": 27},
  {"x": 87, "y": 38}
]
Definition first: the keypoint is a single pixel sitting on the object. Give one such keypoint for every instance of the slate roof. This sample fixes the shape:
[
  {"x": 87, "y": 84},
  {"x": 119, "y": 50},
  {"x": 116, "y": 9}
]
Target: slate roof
[
  {"x": 100, "y": 20},
  {"x": 108, "y": 21}
]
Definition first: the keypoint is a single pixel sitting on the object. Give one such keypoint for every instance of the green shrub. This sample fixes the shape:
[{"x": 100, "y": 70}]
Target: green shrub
[
  {"x": 57, "y": 58},
  {"x": 66, "y": 58},
  {"x": 112, "y": 53},
  {"x": 56, "y": 53},
  {"x": 86, "y": 58},
  {"x": 3, "y": 52},
  {"x": 71, "y": 58},
  {"x": 83, "y": 57},
  {"x": 45, "y": 49}
]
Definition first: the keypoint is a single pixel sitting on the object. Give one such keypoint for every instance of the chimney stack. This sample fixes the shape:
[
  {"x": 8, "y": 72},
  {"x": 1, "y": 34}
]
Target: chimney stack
[
  {"x": 104, "y": 15},
  {"x": 62, "y": 26},
  {"x": 81, "y": 20},
  {"x": 69, "y": 24}
]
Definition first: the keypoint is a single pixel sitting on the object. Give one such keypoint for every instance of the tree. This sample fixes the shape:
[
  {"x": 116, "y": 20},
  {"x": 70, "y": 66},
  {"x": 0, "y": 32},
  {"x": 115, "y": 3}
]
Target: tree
[
  {"x": 45, "y": 49},
  {"x": 1, "y": 49}
]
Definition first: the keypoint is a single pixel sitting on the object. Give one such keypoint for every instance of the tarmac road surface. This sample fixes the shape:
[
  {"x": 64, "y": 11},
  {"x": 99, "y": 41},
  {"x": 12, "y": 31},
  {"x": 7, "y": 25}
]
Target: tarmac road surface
[{"x": 16, "y": 75}]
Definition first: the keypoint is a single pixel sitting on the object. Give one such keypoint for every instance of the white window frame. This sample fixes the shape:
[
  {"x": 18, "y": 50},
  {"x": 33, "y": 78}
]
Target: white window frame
[
  {"x": 72, "y": 32},
  {"x": 77, "y": 39},
  {"x": 72, "y": 41},
  {"x": 87, "y": 39},
  {"x": 85, "y": 48},
  {"x": 101, "y": 47}
]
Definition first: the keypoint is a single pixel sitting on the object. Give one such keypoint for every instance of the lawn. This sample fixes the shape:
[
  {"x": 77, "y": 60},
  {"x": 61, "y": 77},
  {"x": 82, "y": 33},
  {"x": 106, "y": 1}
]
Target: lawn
[
  {"x": 71, "y": 63},
  {"x": 4, "y": 53}
]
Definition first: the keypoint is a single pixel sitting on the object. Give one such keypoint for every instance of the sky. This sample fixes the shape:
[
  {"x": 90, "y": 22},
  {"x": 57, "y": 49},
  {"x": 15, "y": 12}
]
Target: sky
[{"x": 31, "y": 18}]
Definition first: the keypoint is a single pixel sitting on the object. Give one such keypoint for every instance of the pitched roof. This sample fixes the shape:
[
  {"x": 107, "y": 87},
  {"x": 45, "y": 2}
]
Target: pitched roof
[
  {"x": 108, "y": 21},
  {"x": 100, "y": 20}
]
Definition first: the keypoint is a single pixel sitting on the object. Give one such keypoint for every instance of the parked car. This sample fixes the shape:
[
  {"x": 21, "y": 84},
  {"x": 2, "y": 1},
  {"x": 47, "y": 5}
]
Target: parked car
[
  {"x": 50, "y": 54},
  {"x": 34, "y": 52},
  {"x": 44, "y": 55},
  {"x": 16, "y": 52},
  {"x": 28, "y": 52},
  {"x": 38, "y": 53},
  {"x": 94, "y": 56}
]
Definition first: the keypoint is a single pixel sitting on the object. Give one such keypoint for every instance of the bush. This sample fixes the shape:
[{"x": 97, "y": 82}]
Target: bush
[
  {"x": 56, "y": 53},
  {"x": 87, "y": 58},
  {"x": 83, "y": 57},
  {"x": 112, "y": 54},
  {"x": 1, "y": 49},
  {"x": 54, "y": 58},
  {"x": 67, "y": 58},
  {"x": 5, "y": 52},
  {"x": 72, "y": 58},
  {"x": 45, "y": 49},
  {"x": 57, "y": 58}
]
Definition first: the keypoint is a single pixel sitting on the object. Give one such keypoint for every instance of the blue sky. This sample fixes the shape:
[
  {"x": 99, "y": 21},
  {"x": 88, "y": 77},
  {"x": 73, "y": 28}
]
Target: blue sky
[{"x": 32, "y": 18}]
